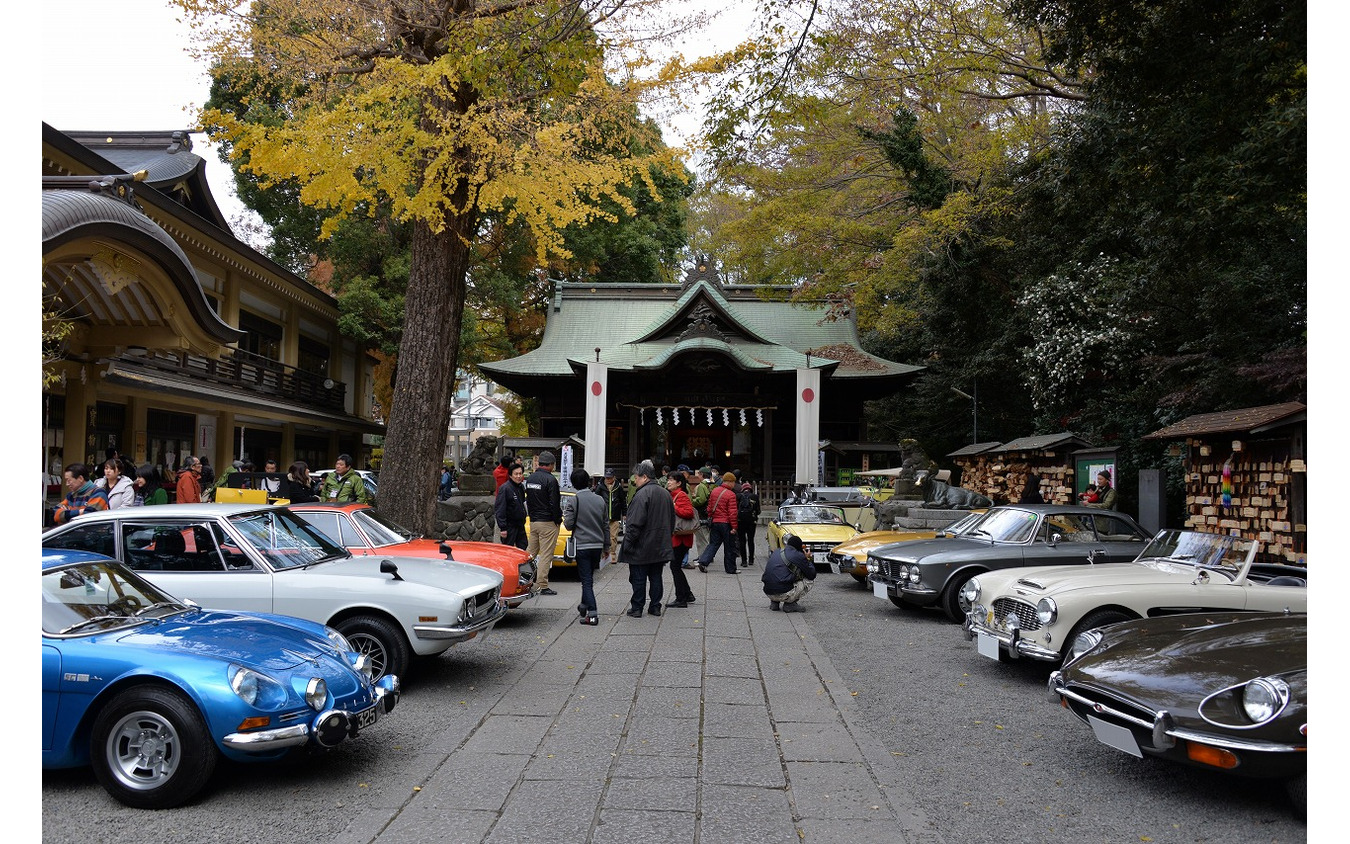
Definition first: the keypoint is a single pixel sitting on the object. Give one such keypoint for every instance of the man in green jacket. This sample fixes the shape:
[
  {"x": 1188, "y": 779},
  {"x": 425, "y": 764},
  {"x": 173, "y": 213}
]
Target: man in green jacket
[
  {"x": 344, "y": 483},
  {"x": 698, "y": 495}
]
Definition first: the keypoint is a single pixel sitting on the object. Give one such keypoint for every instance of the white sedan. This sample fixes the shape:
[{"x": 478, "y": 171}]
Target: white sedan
[
  {"x": 267, "y": 559},
  {"x": 1038, "y": 612}
]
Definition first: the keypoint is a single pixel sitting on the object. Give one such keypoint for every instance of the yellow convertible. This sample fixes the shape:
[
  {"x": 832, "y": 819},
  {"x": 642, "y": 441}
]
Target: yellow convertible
[
  {"x": 851, "y": 557},
  {"x": 820, "y": 526}
]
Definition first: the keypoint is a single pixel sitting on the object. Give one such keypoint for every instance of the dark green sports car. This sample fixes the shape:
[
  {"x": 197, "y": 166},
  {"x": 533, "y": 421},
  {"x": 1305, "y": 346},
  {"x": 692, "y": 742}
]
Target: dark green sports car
[{"x": 1222, "y": 690}]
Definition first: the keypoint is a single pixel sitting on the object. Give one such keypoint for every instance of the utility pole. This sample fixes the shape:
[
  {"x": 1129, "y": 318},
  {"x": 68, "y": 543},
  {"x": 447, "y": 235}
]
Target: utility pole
[{"x": 974, "y": 412}]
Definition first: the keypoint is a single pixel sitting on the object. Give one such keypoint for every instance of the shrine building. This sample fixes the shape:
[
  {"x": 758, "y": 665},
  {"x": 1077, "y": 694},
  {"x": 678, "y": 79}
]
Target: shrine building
[{"x": 700, "y": 372}]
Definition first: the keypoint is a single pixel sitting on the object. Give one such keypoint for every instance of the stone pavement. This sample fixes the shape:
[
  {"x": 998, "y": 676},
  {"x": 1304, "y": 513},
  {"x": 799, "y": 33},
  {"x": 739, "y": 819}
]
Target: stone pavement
[{"x": 723, "y": 722}]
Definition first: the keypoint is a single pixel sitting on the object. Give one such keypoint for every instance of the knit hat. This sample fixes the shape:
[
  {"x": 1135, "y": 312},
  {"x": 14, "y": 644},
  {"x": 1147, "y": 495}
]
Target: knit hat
[
  {"x": 545, "y": 458},
  {"x": 728, "y": 478},
  {"x": 794, "y": 540}
]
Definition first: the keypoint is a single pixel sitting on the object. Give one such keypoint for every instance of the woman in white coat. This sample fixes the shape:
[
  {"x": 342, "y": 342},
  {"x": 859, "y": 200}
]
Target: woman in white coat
[{"x": 121, "y": 488}]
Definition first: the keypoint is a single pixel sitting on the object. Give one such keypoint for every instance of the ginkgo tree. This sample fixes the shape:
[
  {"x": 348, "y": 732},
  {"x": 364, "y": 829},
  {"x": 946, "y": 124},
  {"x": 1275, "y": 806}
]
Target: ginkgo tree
[{"x": 445, "y": 113}]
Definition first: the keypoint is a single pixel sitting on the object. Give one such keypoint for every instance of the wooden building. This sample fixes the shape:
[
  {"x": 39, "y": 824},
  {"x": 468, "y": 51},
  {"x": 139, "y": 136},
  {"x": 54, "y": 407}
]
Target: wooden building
[
  {"x": 185, "y": 340},
  {"x": 1247, "y": 475},
  {"x": 1064, "y": 462},
  {"x": 699, "y": 372}
]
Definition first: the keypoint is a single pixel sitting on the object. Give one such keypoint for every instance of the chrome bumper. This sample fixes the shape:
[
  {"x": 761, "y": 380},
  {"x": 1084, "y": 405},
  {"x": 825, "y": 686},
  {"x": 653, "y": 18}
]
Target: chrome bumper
[
  {"x": 1012, "y": 642},
  {"x": 1162, "y": 728},
  {"x": 516, "y": 600},
  {"x": 467, "y": 630},
  {"x": 329, "y": 728}
]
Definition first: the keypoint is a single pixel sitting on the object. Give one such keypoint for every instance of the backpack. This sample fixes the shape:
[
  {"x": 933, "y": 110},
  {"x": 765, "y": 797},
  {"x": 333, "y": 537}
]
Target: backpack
[
  {"x": 700, "y": 499},
  {"x": 747, "y": 506}
]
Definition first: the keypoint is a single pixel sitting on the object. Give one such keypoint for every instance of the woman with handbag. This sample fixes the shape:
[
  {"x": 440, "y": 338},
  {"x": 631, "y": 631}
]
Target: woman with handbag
[{"x": 682, "y": 541}]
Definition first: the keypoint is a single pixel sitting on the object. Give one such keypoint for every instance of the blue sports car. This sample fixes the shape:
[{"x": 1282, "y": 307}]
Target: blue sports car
[{"x": 151, "y": 690}]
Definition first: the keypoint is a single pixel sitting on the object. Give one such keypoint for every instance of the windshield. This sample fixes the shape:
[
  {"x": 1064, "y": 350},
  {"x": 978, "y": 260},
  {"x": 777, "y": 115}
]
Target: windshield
[
  {"x": 380, "y": 529},
  {"x": 1208, "y": 550},
  {"x": 1010, "y": 525},
  {"x": 963, "y": 525},
  {"x": 811, "y": 515},
  {"x": 92, "y": 597},
  {"x": 285, "y": 540}
]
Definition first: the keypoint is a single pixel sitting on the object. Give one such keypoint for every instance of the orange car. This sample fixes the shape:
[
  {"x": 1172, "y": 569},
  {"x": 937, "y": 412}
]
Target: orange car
[{"x": 362, "y": 530}]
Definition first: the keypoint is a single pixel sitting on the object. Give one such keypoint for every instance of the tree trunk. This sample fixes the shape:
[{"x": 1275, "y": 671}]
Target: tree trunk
[{"x": 414, "y": 445}]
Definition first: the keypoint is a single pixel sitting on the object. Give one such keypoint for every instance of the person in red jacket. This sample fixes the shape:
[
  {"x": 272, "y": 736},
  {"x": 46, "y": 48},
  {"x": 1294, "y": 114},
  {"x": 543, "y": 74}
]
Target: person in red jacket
[
  {"x": 189, "y": 482},
  {"x": 680, "y": 545},
  {"x": 723, "y": 518},
  {"x": 502, "y": 473}
]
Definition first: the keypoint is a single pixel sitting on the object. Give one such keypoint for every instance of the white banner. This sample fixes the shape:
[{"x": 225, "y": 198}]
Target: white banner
[
  {"x": 808, "y": 427},
  {"x": 565, "y": 467},
  {"x": 597, "y": 399}
]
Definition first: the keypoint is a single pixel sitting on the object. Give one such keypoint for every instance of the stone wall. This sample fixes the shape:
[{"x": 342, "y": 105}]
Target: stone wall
[
  {"x": 913, "y": 515},
  {"x": 467, "y": 517}
]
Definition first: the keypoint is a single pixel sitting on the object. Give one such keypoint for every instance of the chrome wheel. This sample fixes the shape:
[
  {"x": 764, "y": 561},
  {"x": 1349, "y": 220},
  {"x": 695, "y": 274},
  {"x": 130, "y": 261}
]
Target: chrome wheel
[{"x": 143, "y": 750}]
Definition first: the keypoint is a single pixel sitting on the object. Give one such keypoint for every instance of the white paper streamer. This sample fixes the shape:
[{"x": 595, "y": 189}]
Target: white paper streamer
[
  {"x": 759, "y": 417},
  {"x": 676, "y": 412},
  {"x": 742, "y": 417},
  {"x": 710, "y": 417},
  {"x": 726, "y": 420},
  {"x": 658, "y": 416}
]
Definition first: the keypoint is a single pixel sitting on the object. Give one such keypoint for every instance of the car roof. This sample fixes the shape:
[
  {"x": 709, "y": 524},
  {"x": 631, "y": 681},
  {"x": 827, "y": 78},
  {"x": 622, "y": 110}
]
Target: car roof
[
  {"x": 329, "y": 505},
  {"x": 174, "y": 511},
  {"x": 52, "y": 559}
]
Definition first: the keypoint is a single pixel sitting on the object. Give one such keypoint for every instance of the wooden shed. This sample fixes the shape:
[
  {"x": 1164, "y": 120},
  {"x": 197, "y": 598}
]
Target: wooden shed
[
  {"x": 1247, "y": 475},
  {"x": 999, "y": 470}
]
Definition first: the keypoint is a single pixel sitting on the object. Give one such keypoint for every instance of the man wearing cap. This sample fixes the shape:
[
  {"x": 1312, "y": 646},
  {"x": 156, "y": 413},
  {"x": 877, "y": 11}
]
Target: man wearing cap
[
  {"x": 616, "y": 504},
  {"x": 543, "y": 502},
  {"x": 787, "y": 575},
  {"x": 647, "y": 540},
  {"x": 723, "y": 517}
]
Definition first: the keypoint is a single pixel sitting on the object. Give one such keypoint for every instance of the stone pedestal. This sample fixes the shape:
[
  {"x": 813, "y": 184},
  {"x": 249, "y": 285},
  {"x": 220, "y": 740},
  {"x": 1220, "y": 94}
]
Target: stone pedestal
[
  {"x": 467, "y": 517},
  {"x": 477, "y": 485}
]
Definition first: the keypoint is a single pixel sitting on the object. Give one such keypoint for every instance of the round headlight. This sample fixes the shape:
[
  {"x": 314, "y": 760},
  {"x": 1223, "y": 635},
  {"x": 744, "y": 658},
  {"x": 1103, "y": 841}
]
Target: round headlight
[
  {"x": 1046, "y": 611},
  {"x": 971, "y": 591},
  {"x": 316, "y": 693},
  {"x": 256, "y": 689},
  {"x": 1010, "y": 622},
  {"x": 362, "y": 664},
  {"x": 1263, "y": 698},
  {"x": 339, "y": 641},
  {"x": 913, "y": 574},
  {"x": 1082, "y": 643}
]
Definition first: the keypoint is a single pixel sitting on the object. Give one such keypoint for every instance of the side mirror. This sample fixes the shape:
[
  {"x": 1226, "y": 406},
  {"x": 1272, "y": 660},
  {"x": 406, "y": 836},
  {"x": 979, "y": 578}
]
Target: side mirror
[
  {"x": 445, "y": 549},
  {"x": 1055, "y": 539},
  {"x": 387, "y": 567}
]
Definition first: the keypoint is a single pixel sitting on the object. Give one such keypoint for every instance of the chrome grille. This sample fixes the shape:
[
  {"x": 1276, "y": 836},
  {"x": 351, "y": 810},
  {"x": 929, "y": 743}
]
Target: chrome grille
[
  {"x": 1026, "y": 613},
  {"x": 1110, "y": 706},
  {"x": 889, "y": 569}
]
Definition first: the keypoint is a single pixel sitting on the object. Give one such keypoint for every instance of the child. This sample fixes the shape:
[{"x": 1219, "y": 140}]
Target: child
[{"x": 1089, "y": 496}]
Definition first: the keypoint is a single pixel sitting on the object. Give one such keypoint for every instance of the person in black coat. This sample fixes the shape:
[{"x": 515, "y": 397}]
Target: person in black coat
[
  {"x": 788, "y": 575},
  {"x": 297, "y": 487},
  {"x": 647, "y": 540},
  {"x": 510, "y": 507},
  {"x": 1031, "y": 493},
  {"x": 543, "y": 502}
]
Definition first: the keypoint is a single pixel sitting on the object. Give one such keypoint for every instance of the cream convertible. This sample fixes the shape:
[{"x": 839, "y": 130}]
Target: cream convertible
[{"x": 1038, "y": 612}]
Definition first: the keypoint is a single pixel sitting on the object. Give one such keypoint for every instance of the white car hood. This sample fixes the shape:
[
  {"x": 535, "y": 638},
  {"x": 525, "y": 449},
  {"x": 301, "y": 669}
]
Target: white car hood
[
  {"x": 1051, "y": 580},
  {"x": 461, "y": 578}
]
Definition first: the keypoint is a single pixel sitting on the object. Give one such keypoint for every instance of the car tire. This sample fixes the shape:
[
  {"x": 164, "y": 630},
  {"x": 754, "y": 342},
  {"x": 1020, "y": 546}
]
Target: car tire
[
  {"x": 1096, "y": 619},
  {"x": 861, "y": 578},
  {"x": 379, "y": 640},
  {"x": 163, "y": 725},
  {"x": 951, "y": 596}
]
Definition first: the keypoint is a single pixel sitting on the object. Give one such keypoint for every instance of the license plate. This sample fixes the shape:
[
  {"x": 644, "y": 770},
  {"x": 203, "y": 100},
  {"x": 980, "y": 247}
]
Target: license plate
[
  {"x": 821, "y": 558},
  {"x": 1118, "y": 737},
  {"x": 879, "y": 589},
  {"x": 366, "y": 717},
  {"x": 986, "y": 645}
]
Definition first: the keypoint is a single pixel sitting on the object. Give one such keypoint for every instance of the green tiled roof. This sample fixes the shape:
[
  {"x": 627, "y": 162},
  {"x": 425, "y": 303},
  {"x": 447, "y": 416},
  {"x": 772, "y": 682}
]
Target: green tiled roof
[{"x": 643, "y": 327}]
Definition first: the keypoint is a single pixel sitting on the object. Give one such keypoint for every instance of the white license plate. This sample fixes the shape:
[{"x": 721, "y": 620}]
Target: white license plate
[
  {"x": 879, "y": 589},
  {"x": 986, "y": 645},
  {"x": 821, "y": 558},
  {"x": 1118, "y": 737},
  {"x": 366, "y": 717}
]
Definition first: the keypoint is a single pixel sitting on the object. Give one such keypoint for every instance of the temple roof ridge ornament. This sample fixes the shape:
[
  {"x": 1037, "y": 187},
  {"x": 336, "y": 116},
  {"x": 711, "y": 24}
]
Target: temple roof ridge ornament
[{"x": 702, "y": 270}]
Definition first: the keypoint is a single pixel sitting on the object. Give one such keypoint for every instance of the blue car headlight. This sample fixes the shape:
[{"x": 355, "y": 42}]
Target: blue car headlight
[
  {"x": 316, "y": 694},
  {"x": 339, "y": 641},
  {"x": 257, "y": 690}
]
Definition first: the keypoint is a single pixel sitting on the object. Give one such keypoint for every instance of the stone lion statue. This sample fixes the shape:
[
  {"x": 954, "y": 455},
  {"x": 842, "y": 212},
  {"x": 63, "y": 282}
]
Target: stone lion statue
[
  {"x": 482, "y": 458},
  {"x": 941, "y": 495}
]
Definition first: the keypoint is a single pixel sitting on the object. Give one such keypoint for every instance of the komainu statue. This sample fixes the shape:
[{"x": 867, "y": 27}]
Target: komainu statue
[
  {"x": 483, "y": 458},
  {"x": 940, "y": 495}
]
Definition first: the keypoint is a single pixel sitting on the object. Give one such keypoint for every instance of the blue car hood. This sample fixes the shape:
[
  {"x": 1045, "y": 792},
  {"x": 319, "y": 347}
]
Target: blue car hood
[{"x": 233, "y": 637}]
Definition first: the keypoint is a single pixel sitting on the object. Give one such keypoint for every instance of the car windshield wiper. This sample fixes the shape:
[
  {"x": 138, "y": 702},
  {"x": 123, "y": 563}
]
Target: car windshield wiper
[
  {"x": 95, "y": 620},
  {"x": 160, "y": 605}
]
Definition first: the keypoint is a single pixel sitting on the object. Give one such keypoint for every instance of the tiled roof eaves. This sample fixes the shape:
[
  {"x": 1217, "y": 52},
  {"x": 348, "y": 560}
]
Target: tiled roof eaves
[
  {"x": 975, "y": 448},
  {"x": 1243, "y": 420}
]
